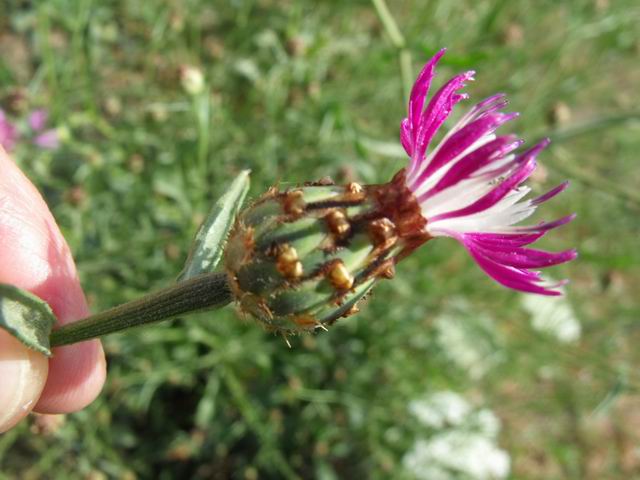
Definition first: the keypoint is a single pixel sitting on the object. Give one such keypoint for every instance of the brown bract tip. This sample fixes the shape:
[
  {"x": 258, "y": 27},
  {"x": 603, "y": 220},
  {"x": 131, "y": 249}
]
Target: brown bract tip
[
  {"x": 293, "y": 202},
  {"x": 287, "y": 262},
  {"x": 400, "y": 206},
  {"x": 381, "y": 230},
  {"x": 338, "y": 223},
  {"x": 339, "y": 276},
  {"x": 353, "y": 188}
]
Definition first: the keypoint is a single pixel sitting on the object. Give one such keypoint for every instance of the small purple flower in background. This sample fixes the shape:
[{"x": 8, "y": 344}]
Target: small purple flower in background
[
  {"x": 47, "y": 139},
  {"x": 35, "y": 131},
  {"x": 469, "y": 186},
  {"x": 8, "y": 132}
]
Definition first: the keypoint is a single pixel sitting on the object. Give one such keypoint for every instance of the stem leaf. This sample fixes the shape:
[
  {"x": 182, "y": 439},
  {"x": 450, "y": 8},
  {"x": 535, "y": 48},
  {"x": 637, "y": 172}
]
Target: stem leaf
[
  {"x": 208, "y": 245},
  {"x": 26, "y": 317}
]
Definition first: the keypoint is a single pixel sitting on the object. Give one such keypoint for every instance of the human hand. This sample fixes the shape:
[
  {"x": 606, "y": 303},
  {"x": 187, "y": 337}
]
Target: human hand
[{"x": 34, "y": 256}]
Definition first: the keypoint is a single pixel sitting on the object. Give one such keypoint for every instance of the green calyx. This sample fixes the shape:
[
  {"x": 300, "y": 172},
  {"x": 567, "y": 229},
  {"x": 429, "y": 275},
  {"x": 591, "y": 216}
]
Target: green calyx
[{"x": 300, "y": 259}]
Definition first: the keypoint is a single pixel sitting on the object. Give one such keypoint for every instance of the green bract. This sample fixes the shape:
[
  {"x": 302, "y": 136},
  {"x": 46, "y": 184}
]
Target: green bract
[
  {"x": 209, "y": 242},
  {"x": 26, "y": 317}
]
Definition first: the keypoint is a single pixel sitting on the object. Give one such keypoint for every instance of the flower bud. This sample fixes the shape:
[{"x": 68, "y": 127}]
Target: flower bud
[{"x": 192, "y": 79}]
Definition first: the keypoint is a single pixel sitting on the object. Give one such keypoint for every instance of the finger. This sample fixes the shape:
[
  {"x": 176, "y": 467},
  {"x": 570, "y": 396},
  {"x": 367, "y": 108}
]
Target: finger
[
  {"x": 34, "y": 256},
  {"x": 23, "y": 373}
]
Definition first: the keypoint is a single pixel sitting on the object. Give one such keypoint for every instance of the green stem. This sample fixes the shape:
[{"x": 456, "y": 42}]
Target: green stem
[
  {"x": 593, "y": 126},
  {"x": 399, "y": 42},
  {"x": 204, "y": 292}
]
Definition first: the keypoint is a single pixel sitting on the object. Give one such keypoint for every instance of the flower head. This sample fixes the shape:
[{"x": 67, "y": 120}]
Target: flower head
[
  {"x": 45, "y": 139},
  {"x": 300, "y": 258},
  {"x": 32, "y": 129},
  {"x": 38, "y": 119},
  {"x": 469, "y": 185}
]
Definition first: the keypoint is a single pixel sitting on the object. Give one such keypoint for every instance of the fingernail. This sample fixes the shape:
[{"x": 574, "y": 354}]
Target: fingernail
[{"x": 23, "y": 373}]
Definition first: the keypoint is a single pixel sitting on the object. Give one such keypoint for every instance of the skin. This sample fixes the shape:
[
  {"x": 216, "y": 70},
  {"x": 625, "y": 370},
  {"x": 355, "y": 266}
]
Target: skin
[{"x": 34, "y": 256}]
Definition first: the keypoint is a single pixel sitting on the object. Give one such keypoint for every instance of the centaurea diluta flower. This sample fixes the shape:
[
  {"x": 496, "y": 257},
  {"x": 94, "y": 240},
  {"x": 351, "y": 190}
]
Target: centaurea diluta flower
[{"x": 301, "y": 258}]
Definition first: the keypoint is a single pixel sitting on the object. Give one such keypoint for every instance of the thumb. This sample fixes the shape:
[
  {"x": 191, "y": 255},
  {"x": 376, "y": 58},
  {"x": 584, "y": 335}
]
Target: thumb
[{"x": 23, "y": 373}]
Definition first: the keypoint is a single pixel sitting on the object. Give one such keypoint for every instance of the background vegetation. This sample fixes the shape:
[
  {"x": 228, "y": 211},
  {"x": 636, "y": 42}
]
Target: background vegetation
[{"x": 296, "y": 91}]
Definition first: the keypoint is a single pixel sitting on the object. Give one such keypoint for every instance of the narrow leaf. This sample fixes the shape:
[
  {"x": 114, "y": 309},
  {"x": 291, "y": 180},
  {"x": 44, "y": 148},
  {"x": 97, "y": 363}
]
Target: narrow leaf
[
  {"x": 209, "y": 242},
  {"x": 26, "y": 317}
]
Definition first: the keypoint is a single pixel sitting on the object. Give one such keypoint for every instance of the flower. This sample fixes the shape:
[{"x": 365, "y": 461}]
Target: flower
[
  {"x": 38, "y": 119},
  {"x": 192, "y": 79},
  {"x": 462, "y": 440},
  {"x": 469, "y": 186},
  {"x": 440, "y": 409},
  {"x": 46, "y": 139},
  {"x": 554, "y": 316},
  {"x": 457, "y": 454},
  {"x": 300, "y": 258},
  {"x": 34, "y": 130},
  {"x": 8, "y": 132}
]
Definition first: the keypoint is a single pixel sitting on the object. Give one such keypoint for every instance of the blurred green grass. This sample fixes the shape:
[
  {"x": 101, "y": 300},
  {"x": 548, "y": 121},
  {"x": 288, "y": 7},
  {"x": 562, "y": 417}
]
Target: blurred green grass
[{"x": 296, "y": 91}]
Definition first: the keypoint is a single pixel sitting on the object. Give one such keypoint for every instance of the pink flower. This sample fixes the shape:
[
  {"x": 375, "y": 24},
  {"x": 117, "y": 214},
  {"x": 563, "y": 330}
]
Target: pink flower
[
  {"x": 38, "y": 119},
  {"x": 46, "y": 139},
  {"x": 36, "y": 132},
  {"x": 469, "y": 187},
  {"x": 8, "y": 132}
]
